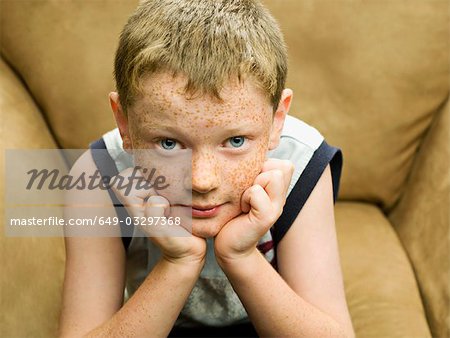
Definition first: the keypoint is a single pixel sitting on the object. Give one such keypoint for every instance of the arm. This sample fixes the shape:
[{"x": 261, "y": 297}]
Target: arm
[
  {"x": 155, "y": 306},
  {"x": 93, "y": 283},
  {"x": 307, "y": 299},
  {"x": 93, "y": 293},
  {"x": 95, "y": 274}
]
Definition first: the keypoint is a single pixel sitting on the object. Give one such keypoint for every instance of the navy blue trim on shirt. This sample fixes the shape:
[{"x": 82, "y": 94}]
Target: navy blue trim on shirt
[
  {"x": 107, "y": 168},
  {"x": 304, "y": 186}
]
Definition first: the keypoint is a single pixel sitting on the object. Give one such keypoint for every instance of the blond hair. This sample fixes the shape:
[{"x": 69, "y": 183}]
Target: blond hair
[{"x": 209, "y": 41}]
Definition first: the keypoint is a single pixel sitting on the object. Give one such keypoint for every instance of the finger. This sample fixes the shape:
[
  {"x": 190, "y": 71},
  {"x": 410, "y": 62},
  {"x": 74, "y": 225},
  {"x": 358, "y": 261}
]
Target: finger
[
  {"x": 276, "y": 163},
  {"x": 159, "y": 207},
  {"x": 286, "y": 166},
  {"x": 131, "y": 188},
  {"x": 260, "y": 204},
  {"x": 273, "y": 183},
  {"x": 154, "y": 209}
]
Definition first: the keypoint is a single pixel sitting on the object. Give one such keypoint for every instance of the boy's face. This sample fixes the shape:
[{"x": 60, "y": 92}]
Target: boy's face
[{"x": 229, "y": 140}]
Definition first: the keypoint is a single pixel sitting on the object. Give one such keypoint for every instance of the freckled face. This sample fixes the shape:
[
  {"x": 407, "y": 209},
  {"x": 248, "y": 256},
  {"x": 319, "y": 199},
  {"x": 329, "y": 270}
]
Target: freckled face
[{"x": 229, "y": 140}]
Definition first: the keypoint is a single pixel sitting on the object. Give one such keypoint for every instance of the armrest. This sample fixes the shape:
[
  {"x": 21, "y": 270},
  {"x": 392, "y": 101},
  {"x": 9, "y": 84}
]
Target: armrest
[
  {"x": 32, "y": 268},
  {"x": 23, "y": 124},
  {"x": 422, "y": 221}
]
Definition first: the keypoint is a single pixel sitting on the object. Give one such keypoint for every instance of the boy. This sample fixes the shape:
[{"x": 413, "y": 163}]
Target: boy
[{"x": 209, "y": 76}]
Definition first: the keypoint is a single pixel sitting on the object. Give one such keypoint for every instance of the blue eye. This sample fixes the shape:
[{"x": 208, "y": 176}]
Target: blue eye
[
  {"x": 237, "y": 141},
  {"x": 168, "y": 144}
]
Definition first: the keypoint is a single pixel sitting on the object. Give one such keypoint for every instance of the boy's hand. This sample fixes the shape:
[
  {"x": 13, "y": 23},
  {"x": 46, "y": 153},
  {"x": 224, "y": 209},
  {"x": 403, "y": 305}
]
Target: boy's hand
[
  {"x": 261, "y": 204},
  {"x": 176, "y": 243}
]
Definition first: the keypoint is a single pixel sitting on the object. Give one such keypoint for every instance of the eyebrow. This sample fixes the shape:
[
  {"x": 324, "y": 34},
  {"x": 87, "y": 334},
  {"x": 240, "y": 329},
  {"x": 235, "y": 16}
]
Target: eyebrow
[
  {"x": 233, "y": 130},
  {"x": 155, "y": 130},
  {"x": 169, "y": 128}
]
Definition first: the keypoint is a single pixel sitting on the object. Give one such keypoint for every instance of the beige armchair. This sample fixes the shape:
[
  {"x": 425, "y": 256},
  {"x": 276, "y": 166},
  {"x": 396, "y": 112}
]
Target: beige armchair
[{"x": 372, "y": 76}]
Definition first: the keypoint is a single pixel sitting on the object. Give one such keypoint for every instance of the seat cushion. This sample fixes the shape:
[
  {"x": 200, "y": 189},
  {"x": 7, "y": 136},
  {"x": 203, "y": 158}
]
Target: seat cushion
[{"x": 381, "y": 289}]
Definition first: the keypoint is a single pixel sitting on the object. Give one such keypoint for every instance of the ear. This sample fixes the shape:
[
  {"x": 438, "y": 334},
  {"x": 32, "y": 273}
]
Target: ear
[
  {"x": 121, "y": 120},
  {"x": 279, "y": 118}
]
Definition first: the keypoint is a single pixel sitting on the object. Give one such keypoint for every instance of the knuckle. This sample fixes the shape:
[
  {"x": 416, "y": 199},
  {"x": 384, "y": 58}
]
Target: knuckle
[
  {"x": 277, "y": 174},
  {"x": 288, "y": 165},
  {"x": 155, "y": 200},
  {"x": 291, "y": 167},
  {"x": 280, "y": 212},
  {"x": 274, "y": 217},
  {"x": 254, "y": 189}
]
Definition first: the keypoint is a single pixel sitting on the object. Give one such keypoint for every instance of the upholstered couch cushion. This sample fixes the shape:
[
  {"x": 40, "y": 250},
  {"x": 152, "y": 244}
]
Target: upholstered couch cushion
[{"x": 380, "y": 285}]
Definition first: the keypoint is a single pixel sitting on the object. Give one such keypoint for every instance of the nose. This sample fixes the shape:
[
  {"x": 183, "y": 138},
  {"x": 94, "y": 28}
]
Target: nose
[{"x": 205, "y": 172}]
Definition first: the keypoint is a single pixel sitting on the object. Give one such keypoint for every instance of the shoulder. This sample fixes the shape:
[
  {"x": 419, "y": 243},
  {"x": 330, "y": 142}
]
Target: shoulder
[
  {"x": 299, "y": 131},
  {"x": 112, "y": 142},
  {"x": 307, "y": 149},
  {"x": 314, "y": 160},
  {"x": 86, "y": 167},
  {"x": 298, "y": 141}
]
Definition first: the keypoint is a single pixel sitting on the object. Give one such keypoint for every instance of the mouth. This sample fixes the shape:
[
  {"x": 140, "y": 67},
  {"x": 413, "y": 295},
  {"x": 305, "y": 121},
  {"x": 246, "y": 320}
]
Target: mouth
[{"x": 204, "y": 211}]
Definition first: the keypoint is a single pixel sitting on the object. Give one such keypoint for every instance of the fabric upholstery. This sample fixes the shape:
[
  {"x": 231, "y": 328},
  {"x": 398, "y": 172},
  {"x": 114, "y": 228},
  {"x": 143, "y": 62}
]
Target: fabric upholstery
[
  {"x": 32, "y": 268},
  {"x": 381, "y": 289},
  {"x": 422, "y": 221},
  {"x": 368, "y": 74},
  {"x": 371, "y": 75},
  {"x": 66, "y": 60}
]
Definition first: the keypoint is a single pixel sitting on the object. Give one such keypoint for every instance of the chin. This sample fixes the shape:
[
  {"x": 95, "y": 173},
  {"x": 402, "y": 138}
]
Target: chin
[
  {"x": 205, "y": 228},
  {"x": 210, "y": 227}
]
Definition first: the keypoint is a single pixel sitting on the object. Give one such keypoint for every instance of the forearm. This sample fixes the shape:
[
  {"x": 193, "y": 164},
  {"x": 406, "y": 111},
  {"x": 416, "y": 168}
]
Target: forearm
[
  {"x": 155, "y": 305},
  {"x": 273, "y": 307}
]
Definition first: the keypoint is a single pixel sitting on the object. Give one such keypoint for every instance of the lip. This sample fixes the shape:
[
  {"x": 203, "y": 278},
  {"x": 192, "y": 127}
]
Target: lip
[
  {"x": 204, "y": 207},
  {"x": 204, "y": 211}
]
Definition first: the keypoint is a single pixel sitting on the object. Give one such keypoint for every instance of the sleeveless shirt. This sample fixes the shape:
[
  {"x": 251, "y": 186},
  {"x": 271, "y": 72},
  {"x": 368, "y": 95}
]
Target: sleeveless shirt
[{"x": 213, "y": 301}]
